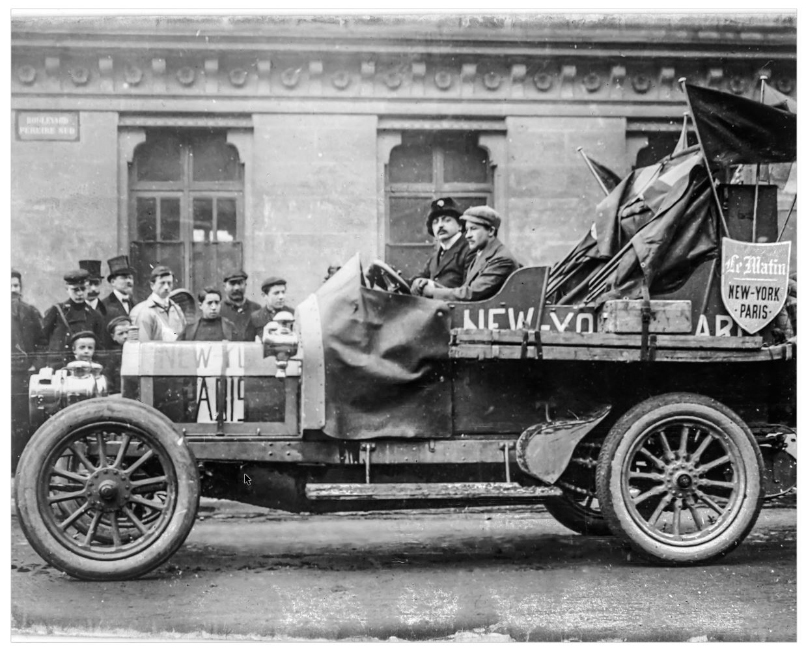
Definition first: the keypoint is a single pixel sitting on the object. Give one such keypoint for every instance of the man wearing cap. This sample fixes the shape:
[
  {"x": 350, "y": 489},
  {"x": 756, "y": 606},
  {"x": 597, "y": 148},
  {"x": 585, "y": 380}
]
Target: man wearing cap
[
  {"x": 64, "y": 319},
  {"x": 93, "y": 268},
  {"x": 490, "y": 267},
  {"x": 236, "y": 307},
  {"x": 448, "y": 263},
  {"x": 158, "y": 317},
  {"x": 273, "y": 289},
  {"x": 121, "y": 277}
]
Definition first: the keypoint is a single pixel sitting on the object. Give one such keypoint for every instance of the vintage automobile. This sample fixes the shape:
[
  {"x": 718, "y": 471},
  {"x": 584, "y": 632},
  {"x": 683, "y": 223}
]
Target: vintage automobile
[{"x": 643, "y": 394}]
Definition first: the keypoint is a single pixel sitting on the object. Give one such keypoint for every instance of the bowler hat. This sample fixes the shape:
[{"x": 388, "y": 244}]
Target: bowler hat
[
  {"x": 79, "y": 276},
  {"x": 159, "y": 271},
  {"x": 93, "y": 267},
  {"x": 119, "y": 266},
  {"x": 85, "y": 334},
  {"x": 482, "y": 215},
  {"x": 118, "y": 320},
  {"x": 440, "y": 208},
  {"x": 268, "y": 283},
  {"x": 236, "y": 275}
]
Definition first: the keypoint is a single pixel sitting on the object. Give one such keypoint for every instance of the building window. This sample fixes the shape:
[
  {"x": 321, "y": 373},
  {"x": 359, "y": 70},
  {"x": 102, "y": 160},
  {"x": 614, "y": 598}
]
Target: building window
[
  {"x": 186, "y": 192},
  {"x": 651, "y": 141},
  {"x": 425, "y": 166}
]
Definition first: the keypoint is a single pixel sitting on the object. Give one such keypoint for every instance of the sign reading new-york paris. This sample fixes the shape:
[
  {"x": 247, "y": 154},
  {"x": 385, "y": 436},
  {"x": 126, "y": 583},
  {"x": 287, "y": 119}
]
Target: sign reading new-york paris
[{"x": 754, "y": 281}]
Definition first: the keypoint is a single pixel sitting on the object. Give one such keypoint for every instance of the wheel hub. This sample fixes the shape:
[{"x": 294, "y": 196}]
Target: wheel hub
[
  {"x": 108, "y": 489},
  {"x": 680, "y": 478}
]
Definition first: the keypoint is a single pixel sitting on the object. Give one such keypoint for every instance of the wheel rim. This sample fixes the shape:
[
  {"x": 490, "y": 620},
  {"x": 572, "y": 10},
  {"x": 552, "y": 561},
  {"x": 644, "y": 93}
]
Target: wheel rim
[
  {"x": 684, "y": 482},
  {"x": 107, "y": 491}
]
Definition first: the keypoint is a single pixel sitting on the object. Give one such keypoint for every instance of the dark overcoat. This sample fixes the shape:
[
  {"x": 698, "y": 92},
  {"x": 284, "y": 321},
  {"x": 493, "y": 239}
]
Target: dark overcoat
[{"x": 487, "y": 273}]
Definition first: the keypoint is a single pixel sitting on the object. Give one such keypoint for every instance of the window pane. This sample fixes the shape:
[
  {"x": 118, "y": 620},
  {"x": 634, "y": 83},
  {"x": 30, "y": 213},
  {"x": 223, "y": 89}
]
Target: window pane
[
  {"x": 411, "y": 164},
  {"x": 226, "y": 220},
  {"x": 465, "y": 162},
  {"x": 146, "y": 219},
  {"x": 169, "y": 219},
  {"x": 202, "y": 220},
  {"x": 407, "y": 219},
  {"x": 159, "y": 160},
  {"x": 465, "y": 202},
  {"x": 215, "y": 160}
]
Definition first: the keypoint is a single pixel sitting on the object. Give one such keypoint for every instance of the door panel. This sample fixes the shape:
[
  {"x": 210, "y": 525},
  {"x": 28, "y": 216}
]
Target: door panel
[{"x": 212, "y": 261}]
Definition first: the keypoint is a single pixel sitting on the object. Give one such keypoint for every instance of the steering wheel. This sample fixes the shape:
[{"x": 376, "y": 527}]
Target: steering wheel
[{"x": 382, "y": 276}]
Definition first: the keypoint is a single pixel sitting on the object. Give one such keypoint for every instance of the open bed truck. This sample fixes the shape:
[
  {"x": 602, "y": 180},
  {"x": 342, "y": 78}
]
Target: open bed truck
[{"x": 648, "y": 414}]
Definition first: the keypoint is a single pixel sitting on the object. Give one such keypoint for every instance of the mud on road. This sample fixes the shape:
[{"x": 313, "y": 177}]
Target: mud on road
[{"x": 510, "y": 573}]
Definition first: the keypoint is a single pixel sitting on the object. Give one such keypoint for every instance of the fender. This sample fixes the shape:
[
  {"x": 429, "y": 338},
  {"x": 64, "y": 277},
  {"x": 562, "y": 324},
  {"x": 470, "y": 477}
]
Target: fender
[{"x": 544, "y": 450}]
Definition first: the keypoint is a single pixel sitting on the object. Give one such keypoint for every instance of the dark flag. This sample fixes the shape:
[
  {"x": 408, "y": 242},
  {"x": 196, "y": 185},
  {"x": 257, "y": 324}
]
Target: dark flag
[
  {"x": 734, "y": 130},
  {"x": 607, "y": 176}
]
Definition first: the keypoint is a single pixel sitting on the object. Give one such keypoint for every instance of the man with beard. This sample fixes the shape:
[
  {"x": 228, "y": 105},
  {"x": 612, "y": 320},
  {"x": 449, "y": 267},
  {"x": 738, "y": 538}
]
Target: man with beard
[
  {"x": 93, "y": 269},
  {"x": 447, "y": 265},
  {"x": 235, "y": 306},
  {"x": 492, "y": 263},
  {"x": 274, "y": 296},
  {"x": 211, "y": 326},
  {"x": 158, "y": 317},
  {"x": 121, "y": 278},
  {"x": 64, "y": 319}
]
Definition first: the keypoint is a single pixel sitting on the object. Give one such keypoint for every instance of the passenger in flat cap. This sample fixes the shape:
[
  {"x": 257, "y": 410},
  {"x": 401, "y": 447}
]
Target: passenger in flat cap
[
  {"x": 65, "y": 319},
  {"x": 121, "y": 278},
  {"x": 158, "y": 317},
  {"x": 273, "y": 289},
  {"x": 93, "y": 268},
  {"x": 492, "y": 263},
  {"x": 447, "y": 265},
  {"x": 236, "y": 306}
]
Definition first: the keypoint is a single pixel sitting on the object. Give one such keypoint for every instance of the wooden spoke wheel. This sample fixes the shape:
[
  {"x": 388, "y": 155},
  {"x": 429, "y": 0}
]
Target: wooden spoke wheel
[
  {"x": 679, "y": 478},
  {"x": 107, "y": 490}
]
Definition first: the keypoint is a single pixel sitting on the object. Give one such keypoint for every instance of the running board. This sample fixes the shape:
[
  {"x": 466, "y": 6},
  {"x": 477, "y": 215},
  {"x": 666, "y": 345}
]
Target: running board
[{"x": 402, "y": 491}]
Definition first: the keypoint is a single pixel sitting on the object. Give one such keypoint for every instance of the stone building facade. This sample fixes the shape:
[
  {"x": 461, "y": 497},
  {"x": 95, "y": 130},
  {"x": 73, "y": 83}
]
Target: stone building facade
[{"x": 289, "y": 144}]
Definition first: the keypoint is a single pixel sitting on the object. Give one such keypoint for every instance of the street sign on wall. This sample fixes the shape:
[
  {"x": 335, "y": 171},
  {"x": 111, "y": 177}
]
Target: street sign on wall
[{"x": 48, "y": 125}]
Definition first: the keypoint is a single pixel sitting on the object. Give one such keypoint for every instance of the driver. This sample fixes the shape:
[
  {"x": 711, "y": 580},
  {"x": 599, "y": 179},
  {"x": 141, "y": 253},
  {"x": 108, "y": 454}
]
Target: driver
[
  {"x": 490, "y": 267},
  {"x": 452, "y": 257}
]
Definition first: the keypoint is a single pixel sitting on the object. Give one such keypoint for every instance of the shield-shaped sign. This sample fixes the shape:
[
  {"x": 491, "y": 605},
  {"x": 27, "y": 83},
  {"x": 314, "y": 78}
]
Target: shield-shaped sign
[{"x": 754, "y": 281}]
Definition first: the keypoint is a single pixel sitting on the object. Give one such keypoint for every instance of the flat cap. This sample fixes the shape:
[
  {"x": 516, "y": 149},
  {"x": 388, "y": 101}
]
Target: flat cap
[
  {"x": 240, "y": 274},
  {"x": 482, "y": 215},
  {"x": 79, "y": 276},
  {"x": 159, "y": 271},
  {"x": 93, "y": 267},
  {"x": 118, "y": 320},
  {"x": 268, "y": 283},
  {"x": 84, "y": 334}
]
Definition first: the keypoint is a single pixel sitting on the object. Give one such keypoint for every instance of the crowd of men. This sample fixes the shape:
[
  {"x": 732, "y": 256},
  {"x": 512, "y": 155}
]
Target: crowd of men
[{"x": 85, "y": 323}]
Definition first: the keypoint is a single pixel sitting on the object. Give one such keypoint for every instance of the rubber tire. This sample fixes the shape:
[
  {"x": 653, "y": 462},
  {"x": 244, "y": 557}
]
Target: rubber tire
[
  {"x": 98, "y": 410},
  {"x": 611, "y": 457},
  {"x": 574, "y": 518}
]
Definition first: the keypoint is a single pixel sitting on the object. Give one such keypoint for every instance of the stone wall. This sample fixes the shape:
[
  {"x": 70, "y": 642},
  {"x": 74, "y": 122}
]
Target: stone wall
[{"x": 63, "y": 205}]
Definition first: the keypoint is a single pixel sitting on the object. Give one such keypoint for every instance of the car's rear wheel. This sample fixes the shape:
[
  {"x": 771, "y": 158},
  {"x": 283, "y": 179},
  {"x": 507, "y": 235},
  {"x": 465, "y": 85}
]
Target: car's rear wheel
[
  {"x": 107, "y": 490},
  {"x": 679, "y": 478}
]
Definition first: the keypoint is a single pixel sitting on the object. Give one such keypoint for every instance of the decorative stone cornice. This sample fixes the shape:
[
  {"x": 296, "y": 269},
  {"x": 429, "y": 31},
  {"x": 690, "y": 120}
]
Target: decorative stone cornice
[{"x": 494, "y": 79}]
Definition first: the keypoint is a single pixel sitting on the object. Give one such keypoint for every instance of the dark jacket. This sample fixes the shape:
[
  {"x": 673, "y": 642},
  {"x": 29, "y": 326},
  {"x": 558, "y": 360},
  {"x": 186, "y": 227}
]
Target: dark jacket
[
  {"x": 26, "y": 335},
  {"x": 449, "y": 269},
  {"x": 239, "y": 315},
  {"x": 488, "y": 271},
  {"x": 227, "y": 327},
  {"x": 115, "y": 308},
  {"x": 58, "y": 333},
  {"x": 259, "y": 319}
]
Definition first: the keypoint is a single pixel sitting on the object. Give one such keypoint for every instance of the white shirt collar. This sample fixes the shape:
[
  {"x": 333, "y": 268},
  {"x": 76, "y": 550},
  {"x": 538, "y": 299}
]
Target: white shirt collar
[
  {"x": 121, "y": 296},
  {"x": 450, "y": 242},
  {"x": 92, "y": 303},
  {"x": 159, "y": 301}
]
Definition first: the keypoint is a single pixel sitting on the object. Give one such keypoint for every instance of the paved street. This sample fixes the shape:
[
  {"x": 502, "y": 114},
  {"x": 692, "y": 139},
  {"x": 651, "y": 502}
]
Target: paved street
[{"x": 512, "y": 574}]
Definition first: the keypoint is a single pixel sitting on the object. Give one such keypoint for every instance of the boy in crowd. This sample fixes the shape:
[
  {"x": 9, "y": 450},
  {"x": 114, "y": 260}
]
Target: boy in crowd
[{"x": 211, "y": 326}]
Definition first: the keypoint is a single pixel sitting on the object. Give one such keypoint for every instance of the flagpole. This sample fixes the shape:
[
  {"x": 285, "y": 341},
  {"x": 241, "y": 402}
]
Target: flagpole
[
  {"x": 682, "y": 82},
  {"x": 786, "y": 221},
  {"x": 758, "y": 169},
  {"x": 593, "y": 171}
]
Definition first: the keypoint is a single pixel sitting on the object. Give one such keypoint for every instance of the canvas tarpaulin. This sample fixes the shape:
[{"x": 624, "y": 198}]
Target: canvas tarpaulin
[
  {"x": 383, "y": 361},
  {"x": 734, "y": 130}
]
